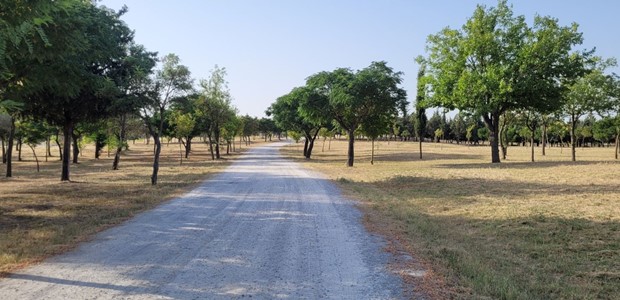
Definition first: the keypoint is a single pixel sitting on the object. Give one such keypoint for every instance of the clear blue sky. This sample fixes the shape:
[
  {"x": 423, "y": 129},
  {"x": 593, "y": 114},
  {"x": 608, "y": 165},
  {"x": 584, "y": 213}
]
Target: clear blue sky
[{"x": 270, "y": 46}]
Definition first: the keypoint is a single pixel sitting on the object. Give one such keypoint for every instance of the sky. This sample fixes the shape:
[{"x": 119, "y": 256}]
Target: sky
[{"x": 268, "y": 47}]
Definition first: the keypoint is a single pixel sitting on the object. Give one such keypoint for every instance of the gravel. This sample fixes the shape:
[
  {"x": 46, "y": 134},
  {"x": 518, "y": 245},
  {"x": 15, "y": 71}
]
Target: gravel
[{"x": 264, "y": 228}]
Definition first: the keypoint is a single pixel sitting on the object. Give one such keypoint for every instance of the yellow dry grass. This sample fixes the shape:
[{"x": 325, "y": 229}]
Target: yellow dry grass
[
  {"x": 515, "y": 230},
  {"x": 40, "y": 216}
]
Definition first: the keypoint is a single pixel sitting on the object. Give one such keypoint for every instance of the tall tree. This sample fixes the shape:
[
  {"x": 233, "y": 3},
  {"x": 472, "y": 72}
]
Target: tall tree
[
  {"x": 171, "y": 80},
  {"x": 70, "y": 82},
  {"x": 293, "y": 112},
  {"x": 130, "y": 77},
  {"x": 215, "y": 104},
  {"x": 588, "y": 94},
  {"x": 497, "y": 63},
  {"x": 352, "y": 98},
  {"x": 420, "y": 108}
]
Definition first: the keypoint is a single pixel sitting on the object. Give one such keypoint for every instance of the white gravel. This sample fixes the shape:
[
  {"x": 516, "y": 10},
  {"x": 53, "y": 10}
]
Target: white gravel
[{"x": 265, "y": 228}]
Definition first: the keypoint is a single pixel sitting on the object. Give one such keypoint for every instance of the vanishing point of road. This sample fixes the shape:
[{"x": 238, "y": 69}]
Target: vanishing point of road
[{"x": 264, "y": 228}]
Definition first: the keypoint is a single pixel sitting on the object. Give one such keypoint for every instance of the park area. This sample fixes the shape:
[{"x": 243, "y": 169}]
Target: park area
[{"x": 515, "y": 230}]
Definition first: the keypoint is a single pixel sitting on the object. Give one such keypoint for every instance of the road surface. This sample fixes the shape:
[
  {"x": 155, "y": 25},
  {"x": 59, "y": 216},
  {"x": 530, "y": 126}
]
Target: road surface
[{"x": 264, "y": 228}]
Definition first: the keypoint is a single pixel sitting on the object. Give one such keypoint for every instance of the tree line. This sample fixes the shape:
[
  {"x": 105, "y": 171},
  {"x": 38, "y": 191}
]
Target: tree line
[
  {"x": 508, "y": 81},
  {"x": 70, "y": 73}
]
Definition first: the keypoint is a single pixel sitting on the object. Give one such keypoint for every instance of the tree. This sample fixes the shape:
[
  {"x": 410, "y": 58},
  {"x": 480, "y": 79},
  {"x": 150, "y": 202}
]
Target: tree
[
  {"x": 587, "y": 94},
  {"x": 294, "y": 111},
  {"x": 34, "y": 133},
  {"x": 497, "y": 63},
  {"x": 420, "y": 108},
  {"x": 353, "y": 98},
  {"x": 67, "y": 83},
  {"x": 184, "y": 124},
  {"x": 130, "y": 77},
  {"x": 172, "y": 80},
  {"x": 215, "y": 105}
]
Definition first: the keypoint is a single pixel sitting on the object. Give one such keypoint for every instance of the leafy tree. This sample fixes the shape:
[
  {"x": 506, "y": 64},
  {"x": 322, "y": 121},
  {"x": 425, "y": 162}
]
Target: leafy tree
[
  {"x": 69, "y": 82},
  {"x": 34, "y": 133},
  {"x": 288, "y": 112},
  {"x": 497, "y": 63},
  {"x": 588, "y": 94},
  {"x": 184, "y": 124},
  {"x": 172, "y": 80},
  {"x": 215, "y": 105},
  {"x": 354, "y": 98},
  {"x": 130, "y": 76}
]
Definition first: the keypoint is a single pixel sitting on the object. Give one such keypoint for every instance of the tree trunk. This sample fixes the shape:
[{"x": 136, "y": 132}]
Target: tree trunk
[
  {"x": 9, "y": 149},
  {"x": 372, "y": 153},
  {"x": 35, "y": 157},
  {"x": 67, "y": 131},
  {"x": 47, "y": 148},
  {"x": 306, "y": 142},
  {"x": 121, "y": 141},
  {"x": 188, "y": 146},
  {"x": 617, "y": 144},
  {"x": 573, "y": 124},
  {"x": 180, "y": 142},
  {"x": 216, "y": 135},
  {"x": 492, "y": 123},
  {"x": 544, "y": 138},
  {"x": 58, "y": 144},
  {"x": 351, "y": 150},
  {"x": 532, "y": 145},
  {"x": 211, "y": 147},
  {"x": 420, "y": 144},
  {"x": 311, "y": 145},
  {"x": 76, "y": 149},
  {"x": 19, "y": 148},
  {"x": 156, "y": 159}
]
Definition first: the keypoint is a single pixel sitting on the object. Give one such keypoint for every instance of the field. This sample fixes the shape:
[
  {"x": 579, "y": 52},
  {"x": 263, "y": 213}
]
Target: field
[
  {"x": 515, "y": 230},
  {"x": 40, "y": 216}
]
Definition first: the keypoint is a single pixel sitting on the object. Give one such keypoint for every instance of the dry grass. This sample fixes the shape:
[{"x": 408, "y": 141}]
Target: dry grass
[
  {"x": 516, "y": 230},
  {"x": 40, "y": 216}
]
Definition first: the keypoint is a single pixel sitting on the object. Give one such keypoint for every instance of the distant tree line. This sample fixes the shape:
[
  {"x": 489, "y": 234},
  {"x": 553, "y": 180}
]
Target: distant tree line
[{"x": 509, "y": 83}]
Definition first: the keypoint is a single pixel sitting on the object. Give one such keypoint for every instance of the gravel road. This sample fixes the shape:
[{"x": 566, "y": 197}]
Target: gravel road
[{"x": 265, "y": 228}]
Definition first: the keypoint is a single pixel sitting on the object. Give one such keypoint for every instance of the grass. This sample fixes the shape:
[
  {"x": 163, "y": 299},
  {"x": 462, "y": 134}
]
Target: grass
[
  {"x": 515, "y": 230},
  {"x": 40, "y": 216}
]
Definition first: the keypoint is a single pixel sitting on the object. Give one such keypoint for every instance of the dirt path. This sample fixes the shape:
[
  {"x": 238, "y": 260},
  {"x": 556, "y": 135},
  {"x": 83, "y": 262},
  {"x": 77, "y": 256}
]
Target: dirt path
[{"x": 265, "y": 228}]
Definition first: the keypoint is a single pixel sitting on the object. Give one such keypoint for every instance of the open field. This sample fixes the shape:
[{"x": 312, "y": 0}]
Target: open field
[
  {"x": 40, "y": 216},
  {"x": 515, "y": 230}
]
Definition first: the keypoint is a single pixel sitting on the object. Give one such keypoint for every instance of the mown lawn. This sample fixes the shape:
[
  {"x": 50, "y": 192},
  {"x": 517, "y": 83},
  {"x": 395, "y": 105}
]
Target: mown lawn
[
  {"x": 515, "y": 230},
  {"x": 40, "y": 216}
]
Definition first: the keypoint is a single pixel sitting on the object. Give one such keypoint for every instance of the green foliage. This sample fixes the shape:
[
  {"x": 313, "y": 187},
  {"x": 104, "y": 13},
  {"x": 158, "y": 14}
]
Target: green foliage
[
  {"x": 497, "y": 63},
  {"x": 296, "y": 136}
]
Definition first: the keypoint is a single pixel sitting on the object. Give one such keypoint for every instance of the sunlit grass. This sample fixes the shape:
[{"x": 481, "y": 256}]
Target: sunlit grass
[
  {"x": 40, "y": 216},
  {"x": 515, "y": 230}
]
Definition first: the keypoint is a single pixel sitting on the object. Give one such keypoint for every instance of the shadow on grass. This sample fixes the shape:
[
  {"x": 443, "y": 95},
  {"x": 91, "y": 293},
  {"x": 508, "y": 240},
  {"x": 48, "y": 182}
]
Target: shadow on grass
[
  {"x": 462, "y": 188},
  {"x": 524, "y": 165}
]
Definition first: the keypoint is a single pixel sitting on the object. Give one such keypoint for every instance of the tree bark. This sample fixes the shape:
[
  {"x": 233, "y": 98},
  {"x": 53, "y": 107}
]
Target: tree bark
[
  {"x": 67, "y": 131},
  {"x": 311, "y": 145},
  {"x": 211, "y": 146},
  {"x": 19, "y": 148},
  {"x": 372, "y": 153},
  {"x": 544, "y": 137},
  {"x": 9, "y": 149},
  {"x": 58, "y": 145},
  {"x": 492, "y": 123},
  {"x": 34, "y": 153},
  {"x": 121, "y": 141},
  {"x": 306, "y": 143},
  {"x": 573, "y": 124},
  {"x": 216, "y": 135},
  {"x": 420, "y": 144},
  {"x": 188, "y": 146},
  {"x": 76, "y": 149},
  {"x": 617, "y": 144},
  {"x": 351, "y": 150},
  {"x": 156, "y": 159},
  {"x": 532, "y": 145}
]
